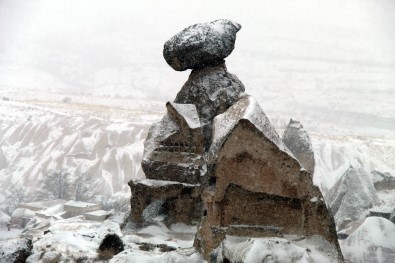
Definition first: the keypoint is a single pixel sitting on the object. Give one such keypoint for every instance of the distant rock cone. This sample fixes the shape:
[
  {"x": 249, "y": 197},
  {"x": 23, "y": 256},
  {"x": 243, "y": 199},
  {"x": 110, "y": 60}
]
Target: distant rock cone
[
  {"x": 215, "y": 159},
  {"x": 351, "y": 197},
  {"x": 298, "y": 142}
]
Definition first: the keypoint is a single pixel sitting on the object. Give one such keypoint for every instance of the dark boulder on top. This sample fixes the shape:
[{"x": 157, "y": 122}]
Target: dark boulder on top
[{"x": 201, "y": 45}]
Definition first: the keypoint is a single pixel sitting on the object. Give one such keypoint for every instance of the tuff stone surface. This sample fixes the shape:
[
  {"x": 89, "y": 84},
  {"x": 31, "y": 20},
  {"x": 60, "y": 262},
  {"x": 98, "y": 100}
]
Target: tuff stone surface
[
  {"x": 212, "y": 90},
  {"x": 298, "y": 142},
  {"x": 201, "y": 45},
  {"x": 174, "y": 147},
  {"x": 179, "y": 203},
  {"x": 215, "y": 159},
  {"x": 251, "y": 171},
  {"x": 383, "y": 181},
  {"x": 351, "y": 197}
]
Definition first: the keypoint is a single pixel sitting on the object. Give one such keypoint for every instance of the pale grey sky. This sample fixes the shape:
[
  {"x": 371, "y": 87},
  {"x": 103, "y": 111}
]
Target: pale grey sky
[{"x": 296, "y": 56}]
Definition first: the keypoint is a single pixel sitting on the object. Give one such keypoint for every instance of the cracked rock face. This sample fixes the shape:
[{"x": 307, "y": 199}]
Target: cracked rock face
[
  {"x": 201, "y": 45},
  {"x": 298, "y": 142}
]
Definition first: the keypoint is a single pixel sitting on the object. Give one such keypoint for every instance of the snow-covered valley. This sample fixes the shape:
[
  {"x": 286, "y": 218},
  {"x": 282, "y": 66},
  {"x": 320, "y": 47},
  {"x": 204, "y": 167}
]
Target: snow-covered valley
[{"x": 104, "y": 138}]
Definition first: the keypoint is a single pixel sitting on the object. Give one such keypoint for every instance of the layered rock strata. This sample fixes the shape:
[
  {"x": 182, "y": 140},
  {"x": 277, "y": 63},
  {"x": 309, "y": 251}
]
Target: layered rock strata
[{"x": 215, "y": 158}]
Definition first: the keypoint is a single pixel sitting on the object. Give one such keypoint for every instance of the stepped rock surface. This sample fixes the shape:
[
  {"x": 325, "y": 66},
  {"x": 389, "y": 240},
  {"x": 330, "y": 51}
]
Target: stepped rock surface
[
  {"x": 201, "y": 45},
  {"x": 215, "y": 160},
  {"x": 298, "y": 141},
  {"x": 352, "y": 196}
]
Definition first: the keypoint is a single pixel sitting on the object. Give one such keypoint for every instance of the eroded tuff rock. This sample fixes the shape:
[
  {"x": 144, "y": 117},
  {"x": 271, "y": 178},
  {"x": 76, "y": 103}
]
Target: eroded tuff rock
[
  {"x": 216, "y": 160},
  {"x": 179, "y": 203},
  {"x": 16, "y": 251},
  {"x": 351, "y": 197},
  {"x": 383, "y": 181},
  {"x": 201, "y": 45},
  {"x": 298, "y": 141},
  {"x": 174, "y": 147},
  {"x": 212, "y": 90},
  {"x": 254, "y": 186}
]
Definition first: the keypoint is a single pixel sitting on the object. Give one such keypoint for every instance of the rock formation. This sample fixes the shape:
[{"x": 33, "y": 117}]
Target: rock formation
[
  {"x": 201, "y": 45},
  {"x": 298, "y": 142},
  {"x": 351, "y": 197},
  {"x": 383, "y": 181},
  {"x": 392, "y": 217},
  {"x": 215, "y": 159}
]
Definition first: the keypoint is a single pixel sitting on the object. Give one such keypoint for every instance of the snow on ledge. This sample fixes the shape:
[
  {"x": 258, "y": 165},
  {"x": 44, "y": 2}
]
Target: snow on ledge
[{"x": 159, "y": 183}]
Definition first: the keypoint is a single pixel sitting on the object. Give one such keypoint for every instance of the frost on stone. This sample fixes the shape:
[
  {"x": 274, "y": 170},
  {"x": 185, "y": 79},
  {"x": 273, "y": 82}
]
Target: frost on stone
[
  {"x": 383, "y": 180},
  {"x": 187, "y": 112},
  {"x": 153, "y": 210},
  {"x": 174, "y": 146},
  {"x": 201, "y": 45},
  {"x": 298, "y": 142},
  {"x": 352, "y": 196},
  {"x": 245, "y": 108},
  {"x": 159, "y": 131},
  {"x": 212, "y": 90}
]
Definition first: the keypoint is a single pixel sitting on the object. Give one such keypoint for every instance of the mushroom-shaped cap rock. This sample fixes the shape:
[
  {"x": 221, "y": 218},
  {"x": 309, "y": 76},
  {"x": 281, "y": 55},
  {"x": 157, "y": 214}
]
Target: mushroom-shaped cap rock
[{"x": 201, "y": 45}]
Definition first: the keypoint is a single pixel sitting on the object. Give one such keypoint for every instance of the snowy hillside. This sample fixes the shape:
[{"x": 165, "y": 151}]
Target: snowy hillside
[{"x": 104, "y": 140}]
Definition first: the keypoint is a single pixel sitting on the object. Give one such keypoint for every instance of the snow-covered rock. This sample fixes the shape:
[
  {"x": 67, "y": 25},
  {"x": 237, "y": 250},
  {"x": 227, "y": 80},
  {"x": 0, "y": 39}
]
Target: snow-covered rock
[
  {"x": 352, "y": 196},
  {"x": 72, "y": 238},
  {"x": 245, "y": 108},
  {"x": 392, "y": 217},
  {"x": 383, "y": 181},
  {"x": 201, "y": 45},
  {"x": 373, "y": 241},
  {"x": 16, "y": 250},
  {"x": 212, "y": 89},
  {"x": 295, "y": 137}
]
